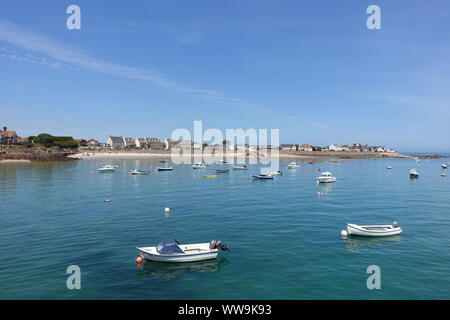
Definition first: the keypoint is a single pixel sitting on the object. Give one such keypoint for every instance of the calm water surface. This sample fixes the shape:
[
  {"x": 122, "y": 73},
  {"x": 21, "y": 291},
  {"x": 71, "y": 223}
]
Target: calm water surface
[{"x": 285, "y": 240}]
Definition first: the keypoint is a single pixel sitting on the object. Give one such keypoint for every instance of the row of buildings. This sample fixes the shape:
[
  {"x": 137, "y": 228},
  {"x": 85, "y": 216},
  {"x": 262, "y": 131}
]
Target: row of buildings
[{"x": 356, "y": 147}]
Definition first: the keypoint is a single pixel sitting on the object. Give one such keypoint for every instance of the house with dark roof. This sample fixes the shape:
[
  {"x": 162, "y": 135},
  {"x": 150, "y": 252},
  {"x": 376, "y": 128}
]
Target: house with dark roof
[
  {"x": 288, "y": 147},
  {"x": 141, "y": 143},
  {"x": 129, "y": 142},
  {"x": 155, "y": 144},
  {"x": 115, "y": 142}
]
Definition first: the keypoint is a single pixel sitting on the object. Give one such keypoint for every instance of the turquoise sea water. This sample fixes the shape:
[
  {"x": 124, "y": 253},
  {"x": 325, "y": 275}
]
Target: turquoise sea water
[{"x": 285, "y": 239}]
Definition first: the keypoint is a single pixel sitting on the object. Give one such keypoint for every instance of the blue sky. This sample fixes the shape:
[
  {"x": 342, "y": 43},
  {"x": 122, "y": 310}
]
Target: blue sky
[{"x": 309, "y": 68}]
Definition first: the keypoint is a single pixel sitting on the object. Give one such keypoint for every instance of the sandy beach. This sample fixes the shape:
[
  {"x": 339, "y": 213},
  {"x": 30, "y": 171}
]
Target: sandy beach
[{"x": 14, "y": 161}]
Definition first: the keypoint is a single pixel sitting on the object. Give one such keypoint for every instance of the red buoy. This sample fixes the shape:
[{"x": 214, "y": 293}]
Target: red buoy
[{"x": 139, "y": 260}]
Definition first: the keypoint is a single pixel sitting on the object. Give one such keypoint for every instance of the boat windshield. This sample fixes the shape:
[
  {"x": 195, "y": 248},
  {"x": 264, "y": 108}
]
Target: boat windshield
[{"x": 169, "y": 246}]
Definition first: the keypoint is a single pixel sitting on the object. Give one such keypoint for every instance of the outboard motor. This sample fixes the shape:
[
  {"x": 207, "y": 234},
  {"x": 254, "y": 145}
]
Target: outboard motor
[
  {"x": 395, "y": 225},
  {"x": 222, "y": 246},
  {"x": 213, "y": 244}
]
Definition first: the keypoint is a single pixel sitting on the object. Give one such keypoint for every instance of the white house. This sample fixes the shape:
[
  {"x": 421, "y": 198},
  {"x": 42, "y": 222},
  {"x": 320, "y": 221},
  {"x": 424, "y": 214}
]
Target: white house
[
  {"x": 305, "y": 147},
  {"x": 335, "y": 147},
  {"x": 288, "y": 147},
  {"x": 115, "y": 142},
  {"x": 141, "y": 143}
]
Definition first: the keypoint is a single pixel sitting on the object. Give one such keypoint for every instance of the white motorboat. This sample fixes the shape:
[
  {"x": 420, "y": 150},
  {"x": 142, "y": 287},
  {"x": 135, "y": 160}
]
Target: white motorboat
[
  {"x": 389, "y": 167},
  {"x": 244, "y": 167},
  {"x": 374, "y": 231},
  {"x": 326, "y": 177},
  {"x": 444, "y": 166},
  {"x": 413, "y": 173},
  {"x": 164, "y": 168},
  {"x": 293, "y": 165},
  {"x": 170, "y": 250},
  {"x": 443, "y": 175},
  {"x": 107, "y": 168},
  {"x": 221, "y": 170},
  {"x": 199, "y": 165},
  {"x": 275, "y": 173},
  {"x": 262, "y": 176},
  {"x": 138, "y": 172}
]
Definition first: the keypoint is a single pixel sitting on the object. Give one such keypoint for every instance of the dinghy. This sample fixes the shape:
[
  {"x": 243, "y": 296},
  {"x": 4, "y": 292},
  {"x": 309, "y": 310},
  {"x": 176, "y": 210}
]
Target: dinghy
[
  {"x": 374, "y": 231},
  {"x": 443, "y": 174},
  {"x": 244, "y": 167},
  {"x": 138, "y": 172},
  {"x": 210, "y": 176},
  {"x": 222, "y": 170},
  {"x": 262, "y": 177},
  {"x": 293, "y": 165},
  {"x": 107, "y": 168},
  {"x": 170, "y": 250},
  {"x": 164, "y": 169},
  {"x": 389, "y": 167},
  {"x": 444, "y": 166},
  {"x": 275, "y": 173},
  {"x": 199, "y": 165}
]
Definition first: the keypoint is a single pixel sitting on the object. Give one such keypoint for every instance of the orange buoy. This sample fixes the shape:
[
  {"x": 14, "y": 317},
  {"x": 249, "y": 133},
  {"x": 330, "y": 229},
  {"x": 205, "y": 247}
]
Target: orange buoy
[{"x": 139, "y": 260}]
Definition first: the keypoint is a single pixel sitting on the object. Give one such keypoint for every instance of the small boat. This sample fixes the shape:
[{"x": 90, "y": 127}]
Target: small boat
[
  {"x": 163, "y": 161},
  {"x": 222, "y": 170},
  {"x": 224, "y": 161},
  {"x": 164, "y": 168},
  {"x": 138, "y": 172},
  {"x": 293, "y": 165},
  {"x": 210, "y": 176},
  {"x": 389, "y": 167},
  {"x": 413, "y": 173},
  {"x": 417, "y": 160},
  {"x": 326, "y": 177},
  {"x": 170, "y": 250},
  {"x": 244, "y": 167},
  {"x": 262, "y": 177},
  {"x": 444, "y": 166},
  {"x": 107, "y": 168},
  {"x": 275, "y": 173},
  {"x": 199, "y": 165},
  {"x": 443, "y": 174},
  {"x": 374, "y": 231}
]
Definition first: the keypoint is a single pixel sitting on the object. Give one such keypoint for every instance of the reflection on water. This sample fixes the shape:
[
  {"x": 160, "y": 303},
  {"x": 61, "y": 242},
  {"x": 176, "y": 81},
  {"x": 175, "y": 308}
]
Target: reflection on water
[
  {"x": 325, "y": 188},
  {"x": 168, "y": 271},
  {"x": 356, "y": 243}
]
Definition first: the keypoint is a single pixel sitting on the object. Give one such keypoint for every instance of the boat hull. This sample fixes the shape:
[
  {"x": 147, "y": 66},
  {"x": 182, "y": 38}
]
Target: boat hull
[
  {"x": 326, "y": 180},
  {"x": 262, "y": 177},
  {"x": 164, "y": 169},
  {"x": 240, "y": 168},
  {"x": 356, "y": 230},
  {"x": 178, "y": 257}
]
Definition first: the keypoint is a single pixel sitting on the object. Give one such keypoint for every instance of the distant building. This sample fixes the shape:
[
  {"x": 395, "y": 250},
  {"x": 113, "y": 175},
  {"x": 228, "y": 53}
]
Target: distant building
[
  {"x": 305, "y": 147},
  {"x": 115, "y": 142},
  {"x": 80, "y": 141},
  {"x": 8, "y": 136},
  {"x": 288, "y": 147},
  {"x": 155, "y": 144},
  {"x": 129, "y": 142},
  {"x": 335, "y": 147},
  {"x": 141, "y": 143},
  {"x": 92, "y": 143},
  {"x": 170, "y": 143}
]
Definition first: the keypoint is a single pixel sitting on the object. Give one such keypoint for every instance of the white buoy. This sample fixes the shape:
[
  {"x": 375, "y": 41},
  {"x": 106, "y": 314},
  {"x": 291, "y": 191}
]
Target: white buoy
[
  {"x": 166, "y": 210},
  {"x": 344, "y": 233},
  {"x": 318, "y": 193}
]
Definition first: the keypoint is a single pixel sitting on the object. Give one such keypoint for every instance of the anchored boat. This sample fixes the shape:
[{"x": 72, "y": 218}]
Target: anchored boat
[
  {"x": 107, "y": 168},
  {"x": 138, "y": 172},
  {"x": 222, "y": 170},
  {"x": 262, "y": 177},
  {"x": 170, "y": 250},
  {"x": 293, "y": 165},
  {"x": 275, "y": 173},
  {"x": 199, "y": 165},
  {"x": 413, "y": 173},
  {"x": 326, "y": 177},
  {"x": 244, "y": 167},
  {"x": 374, "y": 231},
  {"x": 444, "y": 166},
  {"x": 164, "y": 168}
]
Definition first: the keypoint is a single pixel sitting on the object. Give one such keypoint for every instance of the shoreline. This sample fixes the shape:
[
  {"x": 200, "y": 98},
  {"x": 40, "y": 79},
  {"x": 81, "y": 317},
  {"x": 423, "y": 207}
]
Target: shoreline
[
  {"x": 300, "y": 155},
  {"x": 15, "y": 161}
]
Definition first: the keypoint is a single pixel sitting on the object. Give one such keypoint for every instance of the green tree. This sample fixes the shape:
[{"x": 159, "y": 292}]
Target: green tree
[{"x": 45, "y": 139}]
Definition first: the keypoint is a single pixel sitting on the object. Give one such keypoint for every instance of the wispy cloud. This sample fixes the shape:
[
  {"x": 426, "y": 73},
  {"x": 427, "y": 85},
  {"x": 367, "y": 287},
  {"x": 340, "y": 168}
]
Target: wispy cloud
[
  {"x": 192, "y": 37},
  {"x": 29, "y": 40}
]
